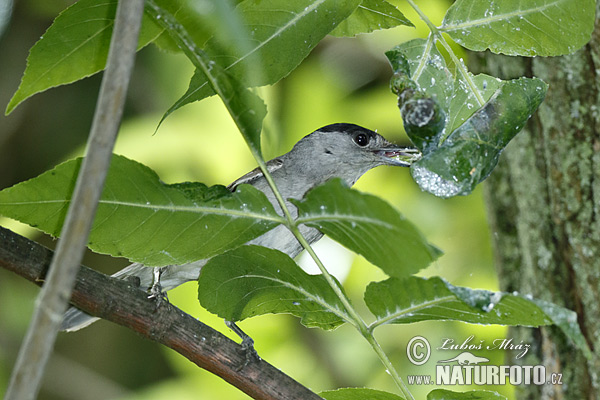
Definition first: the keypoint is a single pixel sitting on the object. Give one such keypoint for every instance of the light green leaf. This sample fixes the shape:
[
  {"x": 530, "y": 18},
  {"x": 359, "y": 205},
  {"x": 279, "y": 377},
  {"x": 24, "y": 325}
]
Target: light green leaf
[
  {"x": 197, "y": 16},
  {"x": 367, "y": 225},
  {"x": 254, "y": 280},
  {"x": 246, "y": 109},
  {"x": 463, "y": 103},
  {"x": 413, "y": 299},
  {"x": 143, "y": 219},
  {"x": 203, "y": 20},
  {"x": 282, "y": 33},
  {"x": 443, "y": 394},
  {"x": 566, "y": 321},
  {"x": 358, "y": 394},
  {"x": 74, "y": 47},
  {"x": 371, "y": 15},
  {"x": 516, "y": 27}
]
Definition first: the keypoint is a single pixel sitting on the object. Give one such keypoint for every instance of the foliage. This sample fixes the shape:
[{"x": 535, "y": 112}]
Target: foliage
[{"x": 460, "y": 122}]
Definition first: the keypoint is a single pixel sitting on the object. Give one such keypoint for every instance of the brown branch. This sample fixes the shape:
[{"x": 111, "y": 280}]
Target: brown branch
[{"x": 122, "y": 302}]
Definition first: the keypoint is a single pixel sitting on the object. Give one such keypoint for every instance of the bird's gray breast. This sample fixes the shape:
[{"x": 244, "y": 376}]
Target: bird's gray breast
[{"x": 281, "y": 238}]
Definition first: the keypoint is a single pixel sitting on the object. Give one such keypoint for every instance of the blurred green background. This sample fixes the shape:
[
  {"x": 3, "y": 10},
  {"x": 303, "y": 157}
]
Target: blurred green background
[{"x": 343, "y": 80}]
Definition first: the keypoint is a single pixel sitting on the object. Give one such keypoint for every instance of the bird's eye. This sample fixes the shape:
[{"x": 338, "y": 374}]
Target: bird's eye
[{"x": 361, "y": 139}]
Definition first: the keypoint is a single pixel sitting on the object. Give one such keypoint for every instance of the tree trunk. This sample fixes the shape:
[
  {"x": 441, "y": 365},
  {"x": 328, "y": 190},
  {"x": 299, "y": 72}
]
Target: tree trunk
[{"x": 544, "y": 209}]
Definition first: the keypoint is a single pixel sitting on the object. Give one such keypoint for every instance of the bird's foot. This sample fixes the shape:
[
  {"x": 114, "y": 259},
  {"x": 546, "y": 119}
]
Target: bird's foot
[
  {"x": 156, "y": 291},
  {"x": 247, "y": 344}
]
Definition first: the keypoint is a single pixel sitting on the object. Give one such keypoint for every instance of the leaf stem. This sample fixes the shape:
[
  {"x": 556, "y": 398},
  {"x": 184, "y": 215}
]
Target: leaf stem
[
  {"x": 389, "y": 367},
  {"x": 460, "y": 67},
  {"x": 409, "y": 310},
  {"x": 355, "y": 317}
]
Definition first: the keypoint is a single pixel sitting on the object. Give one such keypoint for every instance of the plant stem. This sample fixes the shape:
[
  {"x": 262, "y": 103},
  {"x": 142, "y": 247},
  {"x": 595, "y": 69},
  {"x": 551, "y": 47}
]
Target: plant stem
[
  {"x": 355, "y": 318},
  {"x": 53, "y": 299},
  {"x": 460, "y": 67},
  {"x": 388, "y": 365}
]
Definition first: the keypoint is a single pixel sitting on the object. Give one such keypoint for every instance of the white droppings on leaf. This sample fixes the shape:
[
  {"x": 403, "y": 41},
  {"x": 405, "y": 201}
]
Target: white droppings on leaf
[{"x": 433, "y": 183}]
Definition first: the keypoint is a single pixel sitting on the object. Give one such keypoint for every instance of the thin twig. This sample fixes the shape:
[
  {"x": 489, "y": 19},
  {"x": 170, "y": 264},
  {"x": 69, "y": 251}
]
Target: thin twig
[
  {"x": 121, "y": 302},
  {"x": 53, "y": 298}
]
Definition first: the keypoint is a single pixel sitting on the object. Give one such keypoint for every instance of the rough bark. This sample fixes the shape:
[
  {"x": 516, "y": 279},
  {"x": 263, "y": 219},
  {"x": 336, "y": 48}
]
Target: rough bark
[
  {"x": 544, "y": 205},
  {"x": 122, "y": 302}
]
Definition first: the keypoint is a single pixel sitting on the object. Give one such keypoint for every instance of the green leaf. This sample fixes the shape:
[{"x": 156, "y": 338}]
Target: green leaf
[
  {"x": 74, "y": 47},
  {"x": 419, "y": 61},
  {"x": 424, "y": 86},
  {"x": 367, "y": 225},
  {"x": 443, "y": 394},
  {"x": 566, "y": 321},
  {"x": 414, "y": 299},
  {"x": 371, "y": 15},
  {"x": 461, "y": 123},
  {"x": 254, "y": 280},
  {"x": 246, "y": 109},
  {"x": 143, "y": 219},
  {"x": 197, "y": 16},
  {"x": 419, "y": 67},
  {"x": 470, "y": 153},
  {"x": 283, "y": 33},
  {"x": 358, "y": 394},
  {"x": 464, "y": 103},
  {"x": 516, "y": 27}
]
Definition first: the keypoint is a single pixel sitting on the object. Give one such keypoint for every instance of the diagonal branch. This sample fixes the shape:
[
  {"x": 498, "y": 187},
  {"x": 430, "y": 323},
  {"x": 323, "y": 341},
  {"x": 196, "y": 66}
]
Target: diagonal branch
[{"x": 122, "y": 302}]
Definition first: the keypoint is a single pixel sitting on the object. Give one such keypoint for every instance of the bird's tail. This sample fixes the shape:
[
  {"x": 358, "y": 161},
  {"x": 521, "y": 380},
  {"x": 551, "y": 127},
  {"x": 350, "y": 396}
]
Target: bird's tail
[{"x": 171, "y": 277}]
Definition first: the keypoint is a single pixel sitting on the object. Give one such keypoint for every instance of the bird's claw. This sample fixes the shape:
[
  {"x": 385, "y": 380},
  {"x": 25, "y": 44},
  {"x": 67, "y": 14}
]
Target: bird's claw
[
  {"x": 156, "y": 291},
  {"x": 247, "y": 345}
]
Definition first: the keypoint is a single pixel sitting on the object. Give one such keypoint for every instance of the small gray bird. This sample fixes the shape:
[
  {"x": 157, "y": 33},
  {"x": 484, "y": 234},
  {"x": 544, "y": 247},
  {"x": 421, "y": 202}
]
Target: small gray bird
[{"x": 344, "y": 151}]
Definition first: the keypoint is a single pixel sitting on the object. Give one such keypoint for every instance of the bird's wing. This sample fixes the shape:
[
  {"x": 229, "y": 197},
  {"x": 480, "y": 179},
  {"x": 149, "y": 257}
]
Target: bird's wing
[{"x": 256, "y": 173}]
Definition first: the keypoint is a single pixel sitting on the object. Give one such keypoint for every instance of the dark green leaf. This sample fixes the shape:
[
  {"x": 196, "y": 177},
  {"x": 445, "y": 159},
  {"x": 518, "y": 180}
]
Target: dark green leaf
[
  {"x": 470, "y": 153},
  {"x": 367, "y": 225},
  {"x": 433, "y": 102},
  {"x": 358, "y": 394},
  {"x": 254, "y": 280},
  {"x": 74, "y": 47},
  {"x": 516, "y": 27},
  {"x": 371, "y": 15},
  {"x": 282, "y": 33},
  {"x": 461, "y": 123},
  {"x": 246, "y": 108},
  {"x": 420, "y": 61},
  {"x": 143, "y": 219},
  {"x": 443, "y": 394},
  {"x": 424, "y": 86}
]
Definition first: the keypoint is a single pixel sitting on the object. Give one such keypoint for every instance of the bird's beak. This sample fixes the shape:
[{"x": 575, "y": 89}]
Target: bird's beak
[{"x": 400, "y": 156}]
